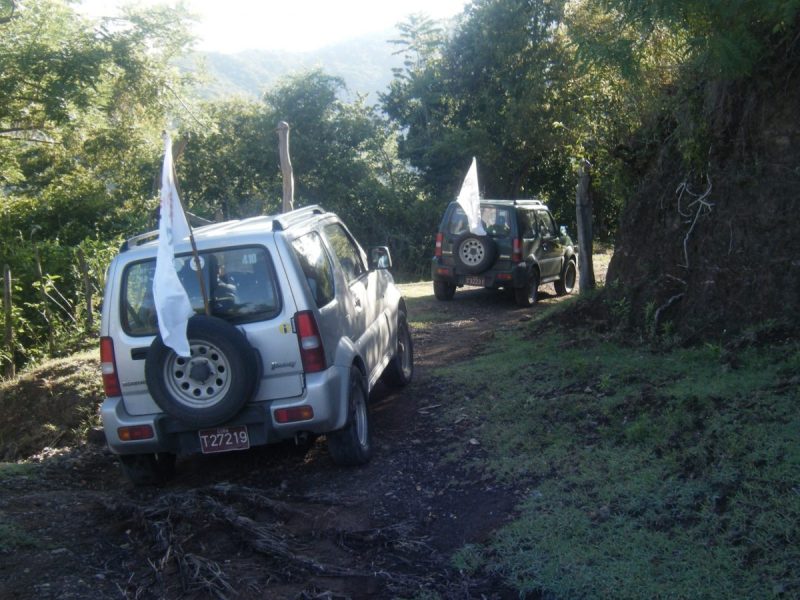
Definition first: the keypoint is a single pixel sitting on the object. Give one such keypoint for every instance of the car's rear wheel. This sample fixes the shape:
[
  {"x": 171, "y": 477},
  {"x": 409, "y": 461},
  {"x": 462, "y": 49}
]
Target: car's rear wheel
[
  {"x": 528, "y": 294},
  {"x": 210, "y": 386},
  {"x": 566, "y": 284},
  {"x": 353, "y": 444},
  {"x": 400, "y": 369},
  {"x": 475, "y": 253},
  {"x": 444, "y": 290},
  {"x": 148, "y": 469}
]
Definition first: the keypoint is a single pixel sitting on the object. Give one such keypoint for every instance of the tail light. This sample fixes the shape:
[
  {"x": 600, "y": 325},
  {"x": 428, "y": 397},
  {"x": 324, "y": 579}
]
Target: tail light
[
  {"x": 297, "y": 413},
  {"x": 136, "y": 432},
  {"x": 439, "y": 239},
  {"x": 311, "y": 349},
  {"x": 108, "y": 366},
  {"x": 516, "y": 251}
]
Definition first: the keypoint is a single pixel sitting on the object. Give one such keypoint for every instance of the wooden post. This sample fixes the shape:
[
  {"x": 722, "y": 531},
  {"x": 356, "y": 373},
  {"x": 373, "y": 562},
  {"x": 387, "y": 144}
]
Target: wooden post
[
  {"x": 286, "y": 166},
  {"x": 51, "y": 340},
  {"x": 87, "y": 290},
  {"x": 9, "y": 334},
  {"x": 583, "y": 208}
]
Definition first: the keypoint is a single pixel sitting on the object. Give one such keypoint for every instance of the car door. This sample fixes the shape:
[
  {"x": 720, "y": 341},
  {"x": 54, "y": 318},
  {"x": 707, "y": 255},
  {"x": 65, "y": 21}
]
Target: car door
[
  {"x": 364, "y": 307},
  {"x": 550, "y": 249},
  {"x": 528, "y": 232}
]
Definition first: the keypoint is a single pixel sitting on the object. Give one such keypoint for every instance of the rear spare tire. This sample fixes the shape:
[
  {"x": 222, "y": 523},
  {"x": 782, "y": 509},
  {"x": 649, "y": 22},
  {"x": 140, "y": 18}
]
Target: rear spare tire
[
  {"x": 210, "y": 386},
  {"x": 475, "y": 253}
]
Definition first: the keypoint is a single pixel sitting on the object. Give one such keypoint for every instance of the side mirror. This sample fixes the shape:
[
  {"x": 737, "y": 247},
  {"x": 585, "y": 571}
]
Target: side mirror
[
  {"x": 564, "y": 231},
  {"x": 380, "y": 258}
]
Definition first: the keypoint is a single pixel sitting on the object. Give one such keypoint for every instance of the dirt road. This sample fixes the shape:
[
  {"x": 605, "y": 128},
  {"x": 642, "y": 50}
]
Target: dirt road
[{"x": 277, "y": 521}]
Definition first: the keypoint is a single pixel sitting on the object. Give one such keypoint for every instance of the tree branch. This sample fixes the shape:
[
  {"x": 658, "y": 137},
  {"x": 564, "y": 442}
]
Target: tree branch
[
  {"x": 7, "y": 18},
  {"x": 703, "y": 205}
]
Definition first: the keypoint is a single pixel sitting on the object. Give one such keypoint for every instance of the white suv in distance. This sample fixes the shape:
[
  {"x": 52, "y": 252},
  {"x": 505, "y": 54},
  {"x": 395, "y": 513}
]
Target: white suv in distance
[{"x": 302, "y": 325}]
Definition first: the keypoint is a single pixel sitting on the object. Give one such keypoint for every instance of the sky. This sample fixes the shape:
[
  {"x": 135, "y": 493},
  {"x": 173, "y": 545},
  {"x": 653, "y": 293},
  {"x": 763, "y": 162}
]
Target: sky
[{"x": 293, "y": 25}]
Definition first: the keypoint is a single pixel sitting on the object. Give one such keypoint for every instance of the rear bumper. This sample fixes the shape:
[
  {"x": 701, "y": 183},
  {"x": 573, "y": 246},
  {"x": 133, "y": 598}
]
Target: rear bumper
[
  {"x": 325, "y": 393},
  {"x": 515, "y": 276}
]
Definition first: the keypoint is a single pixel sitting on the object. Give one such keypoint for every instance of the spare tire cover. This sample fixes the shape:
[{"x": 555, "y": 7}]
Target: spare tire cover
[
  {"x": 475, "y": 253},
  {"x": 210, "y": 386}
]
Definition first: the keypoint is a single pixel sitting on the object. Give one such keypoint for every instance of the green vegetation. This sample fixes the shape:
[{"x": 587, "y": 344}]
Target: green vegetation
[
  {"x": 646, "y": 473},
  {"x": 531, "y": 88},
  {"x": 12, "y": 470},
  {"x": 52, "y": 405},
  {"x": 13, "y": 537}
]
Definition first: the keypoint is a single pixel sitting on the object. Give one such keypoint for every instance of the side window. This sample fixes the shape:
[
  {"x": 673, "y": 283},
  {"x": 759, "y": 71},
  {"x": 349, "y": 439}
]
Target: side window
[
  {"x": 458, "y": 222},
  {"x": 316, "y": 265},
  {"x": 138, "y": 313},
  {"x": 527, "y": 223},
  {"x": 346, "y": 251},
  {"x": 548, "y": 227}
]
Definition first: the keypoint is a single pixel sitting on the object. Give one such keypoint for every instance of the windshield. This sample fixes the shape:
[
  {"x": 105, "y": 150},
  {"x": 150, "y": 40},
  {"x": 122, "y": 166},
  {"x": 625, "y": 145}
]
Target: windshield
[{"x": 239, "y": 283}]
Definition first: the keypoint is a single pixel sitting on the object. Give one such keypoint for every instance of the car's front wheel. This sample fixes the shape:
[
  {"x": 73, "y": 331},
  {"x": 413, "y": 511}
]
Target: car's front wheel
[
  {"x": 566, "y": 284},
  {"x": 444, "y": 290},
  {"x": 528, "y": 294},
  {"x": 353, "y": 444}
]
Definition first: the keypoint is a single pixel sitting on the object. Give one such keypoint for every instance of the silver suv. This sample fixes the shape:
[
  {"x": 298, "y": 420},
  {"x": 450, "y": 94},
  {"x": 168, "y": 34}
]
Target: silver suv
[{"x": 300, "y": 325}]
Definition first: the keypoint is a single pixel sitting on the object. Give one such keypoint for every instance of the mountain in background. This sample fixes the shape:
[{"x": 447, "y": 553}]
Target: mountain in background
[{"x": 365, "y": 64}]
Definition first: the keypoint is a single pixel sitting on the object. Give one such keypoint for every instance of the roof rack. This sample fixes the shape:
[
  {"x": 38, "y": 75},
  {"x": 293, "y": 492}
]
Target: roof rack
[
  {"x": 137, "y": 240},
  {"x": 281, "y": 222},
  {"x": 520, "y": 202}
]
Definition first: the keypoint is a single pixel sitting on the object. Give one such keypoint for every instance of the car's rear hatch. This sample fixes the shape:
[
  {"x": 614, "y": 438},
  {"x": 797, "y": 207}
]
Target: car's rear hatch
[{"x": 242, "y": 286}]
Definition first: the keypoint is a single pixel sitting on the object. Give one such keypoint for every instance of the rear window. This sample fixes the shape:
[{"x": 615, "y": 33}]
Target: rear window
[
  {"x": 240, "y": 284},
  {"x": 496, "y": 221}
]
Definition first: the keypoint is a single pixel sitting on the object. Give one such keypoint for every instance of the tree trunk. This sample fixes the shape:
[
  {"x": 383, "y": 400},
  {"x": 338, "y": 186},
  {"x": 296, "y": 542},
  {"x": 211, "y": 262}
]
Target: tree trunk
[
  {"x": 583, "y": 207},
  {"x": 286, "y": 166}
]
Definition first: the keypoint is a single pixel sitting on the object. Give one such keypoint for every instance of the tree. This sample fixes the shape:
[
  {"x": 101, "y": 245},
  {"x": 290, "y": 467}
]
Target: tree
[
  {"x": 229, "y": 169},
  {"x": 83, "y": 106},
  {"x": 490, "y": 91}
]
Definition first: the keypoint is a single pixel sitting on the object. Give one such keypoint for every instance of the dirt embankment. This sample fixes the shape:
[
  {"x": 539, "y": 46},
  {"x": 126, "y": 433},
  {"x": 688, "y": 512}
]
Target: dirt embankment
[{"x": 276, "y": 521}]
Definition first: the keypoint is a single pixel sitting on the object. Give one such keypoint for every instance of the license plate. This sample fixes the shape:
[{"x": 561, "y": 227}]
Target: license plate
[
  {"x": 224, "y": 439},
  {"x": 477, "y": 281}
]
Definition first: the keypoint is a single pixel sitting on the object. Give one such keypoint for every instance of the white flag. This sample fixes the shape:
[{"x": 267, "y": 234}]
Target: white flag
[
  {"x": 172, "y": 302},
  {"x": 470, "y": 200}
]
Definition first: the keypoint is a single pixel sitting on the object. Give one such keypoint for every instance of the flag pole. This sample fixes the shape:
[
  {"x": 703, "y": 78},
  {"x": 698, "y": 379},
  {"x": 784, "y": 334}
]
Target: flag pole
[{"x": 195, "y": 254}]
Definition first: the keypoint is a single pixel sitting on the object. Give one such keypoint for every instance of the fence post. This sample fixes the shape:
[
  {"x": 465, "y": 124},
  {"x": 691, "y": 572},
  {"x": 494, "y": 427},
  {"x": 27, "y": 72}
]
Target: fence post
[
  {"x": 51, "y": 341},
  {"x": 286, "y": 166},
  {"x": 583, "y": 207},
  {"x": 87, "y": 290},
  {"x": 9, "y": 334}
]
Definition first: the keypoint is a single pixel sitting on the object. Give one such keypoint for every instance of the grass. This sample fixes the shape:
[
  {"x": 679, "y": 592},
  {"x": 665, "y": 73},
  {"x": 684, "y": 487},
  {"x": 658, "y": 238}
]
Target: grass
[
  {"x": 646, "y": 474},
  {"x": 53, "y": 404},
  {"x": 13, "y": 537},
  {"x": 12, "y": 470}
]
